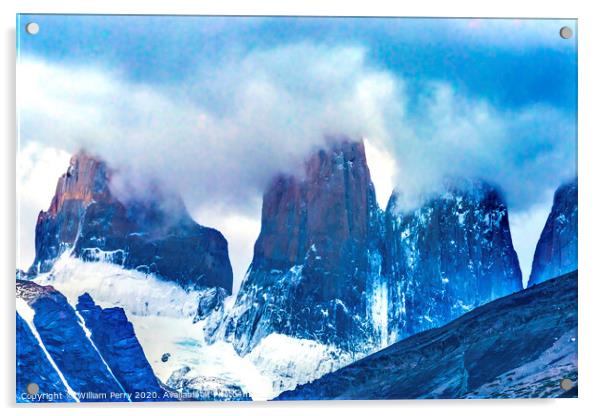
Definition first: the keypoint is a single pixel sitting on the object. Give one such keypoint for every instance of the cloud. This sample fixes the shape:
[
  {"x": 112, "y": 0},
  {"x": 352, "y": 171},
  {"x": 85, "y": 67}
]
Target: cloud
[
  {"x": 38, "y": 168},
  {"x": 219, "y": 136},
  {"x": 526, "y": 151}
]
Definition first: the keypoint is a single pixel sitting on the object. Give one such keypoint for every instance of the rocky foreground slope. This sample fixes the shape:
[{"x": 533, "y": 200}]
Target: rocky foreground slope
[
  {"x": 82, "y": 354},
  {"x": 520, "y": 346}
]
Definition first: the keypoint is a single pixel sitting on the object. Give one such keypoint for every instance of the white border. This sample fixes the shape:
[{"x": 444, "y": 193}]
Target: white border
[{"x": 590, "y": 211}]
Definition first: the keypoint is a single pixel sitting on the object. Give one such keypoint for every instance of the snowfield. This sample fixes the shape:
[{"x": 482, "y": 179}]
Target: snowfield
[
  {"x": 163, "y": 317},
  {"x": 288, "y": 361},
  {"x": 110, "y": 285}
]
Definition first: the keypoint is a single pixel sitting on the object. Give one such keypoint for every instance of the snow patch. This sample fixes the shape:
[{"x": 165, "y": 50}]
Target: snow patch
[
  {"x": 185, "y": 342},
  {"x": 163, "y": 313},
  {"x": 288, "y": 362},
  {"x": 379, "y": 310},
  {"x": 110, "y": 285}
]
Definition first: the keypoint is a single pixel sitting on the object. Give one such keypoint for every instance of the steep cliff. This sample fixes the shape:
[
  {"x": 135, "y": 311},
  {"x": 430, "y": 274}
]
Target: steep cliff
[
  {"x": 556, "y": 251},
  {"x": 114, "y": 337},
  {"x": 315, "y": 257},
  {"x": 447, "y": 257},
  {"x": 60, "y": 332},
  {"x": 32, "y": 356},
  {"x": 155, "y": 234}
]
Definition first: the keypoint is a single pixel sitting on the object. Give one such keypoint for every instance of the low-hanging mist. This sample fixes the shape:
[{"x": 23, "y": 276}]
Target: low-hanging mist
[{"x": 219, "y": 136}]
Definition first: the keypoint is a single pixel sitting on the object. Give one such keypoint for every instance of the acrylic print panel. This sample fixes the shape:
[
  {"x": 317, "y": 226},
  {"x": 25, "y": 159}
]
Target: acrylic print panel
[{"x": 284, "y": 208}]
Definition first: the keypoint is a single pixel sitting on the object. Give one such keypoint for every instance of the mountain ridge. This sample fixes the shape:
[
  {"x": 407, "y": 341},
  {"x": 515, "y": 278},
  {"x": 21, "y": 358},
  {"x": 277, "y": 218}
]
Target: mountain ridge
[
  {"x": 330, "y": 266},
  {"x": 467, "y": 356},
  {"x": 94, "y": 358}
]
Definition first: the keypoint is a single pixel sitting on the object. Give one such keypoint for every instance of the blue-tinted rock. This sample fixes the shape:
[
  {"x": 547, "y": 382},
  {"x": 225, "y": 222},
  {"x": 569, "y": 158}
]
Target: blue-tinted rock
[
  {"x": 154, "y": 234},
  {"x": 556, "y": 251},
  {"x": 33, "y": 366},
  {"x": 519, "y": 346},
  {"x": 116, "y": 341},
  {"x": 449, "y": 256},
  {"x": 211, "y": 302},
  {"x": 63, "y": 336}
]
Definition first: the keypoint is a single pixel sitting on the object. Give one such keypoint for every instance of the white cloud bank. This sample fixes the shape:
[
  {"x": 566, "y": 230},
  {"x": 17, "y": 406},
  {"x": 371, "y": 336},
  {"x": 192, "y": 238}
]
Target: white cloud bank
[
  {"x": 218, "y": 138},
  {"x": 38, "y": 168}
]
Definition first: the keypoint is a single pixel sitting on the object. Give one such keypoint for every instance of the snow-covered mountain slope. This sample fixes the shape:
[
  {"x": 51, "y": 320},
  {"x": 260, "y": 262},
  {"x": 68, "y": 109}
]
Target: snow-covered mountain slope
[
  {"x": 111, "y": 285},
  {"x": 84, "y": 357},
  {"x": 165, "y": 320},
  {"x": 278, "y": 363},
  {"x": 289, "y": 362},
  {"x": 153, "y": 233},
  {"x": 519, "y": 346},
  {"x": 556, "y": 251},
  {"x": 164, "y": 315}
]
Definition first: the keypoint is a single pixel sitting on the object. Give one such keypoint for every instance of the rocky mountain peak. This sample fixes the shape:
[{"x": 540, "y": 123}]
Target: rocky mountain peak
[
  {"x": 312, "y": 259},
  {"x": 329, "y": 207},
  {"x": 86, "y": 180},
  {"x": 556, "y": 251},
  {"x": 448, "y": 256},
  {"x": 154, "y": 233}
]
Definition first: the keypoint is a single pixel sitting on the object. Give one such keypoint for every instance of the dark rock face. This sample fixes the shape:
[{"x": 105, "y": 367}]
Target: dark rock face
[
  {"x": 520, "y": 346},
  {"x": 63, "y": 336},
  {"x": 158, "y": 236},
  {"x": 556, "y": 251},
  {"x": 85, "y": 181},
  {"x": 211, "y": 302},
  {"x": 313, "y": 258},
  {"x": 106, "y": 360},
  {"x": 330, "y": 266},
  {"x": 116, "y": 341},
  {"x": 447, "y": 257}
]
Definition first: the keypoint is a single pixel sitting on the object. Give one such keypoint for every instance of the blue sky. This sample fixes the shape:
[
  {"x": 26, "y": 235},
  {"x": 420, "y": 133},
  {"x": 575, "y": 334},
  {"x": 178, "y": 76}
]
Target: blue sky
[
  {"x": 216, "y": 105},
  {"x": 510, "y": 62}
]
